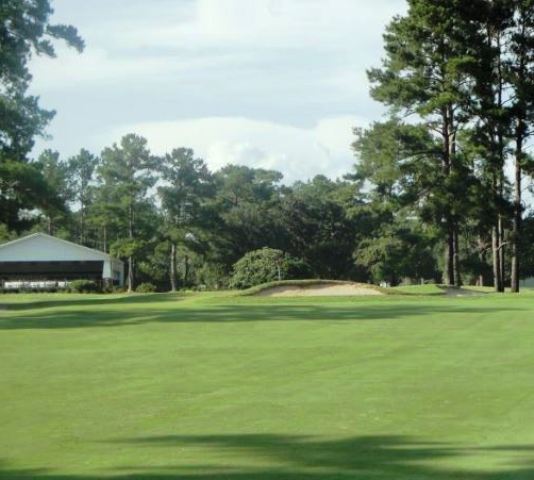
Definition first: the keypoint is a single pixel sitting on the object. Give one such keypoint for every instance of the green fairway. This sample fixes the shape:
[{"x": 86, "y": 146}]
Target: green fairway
[{"x": 207, "y": 387}]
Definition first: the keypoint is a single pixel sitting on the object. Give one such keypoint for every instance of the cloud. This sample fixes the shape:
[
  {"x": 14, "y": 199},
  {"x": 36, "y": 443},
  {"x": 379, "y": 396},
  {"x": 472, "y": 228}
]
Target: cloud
[
  {"x": 299, "y": 153},
  {"x": 272, "y": 83},
  {"x": 133, "y": 44},
  {"x": 100, "y": 67},
  {"x": 266, "y": 24}
]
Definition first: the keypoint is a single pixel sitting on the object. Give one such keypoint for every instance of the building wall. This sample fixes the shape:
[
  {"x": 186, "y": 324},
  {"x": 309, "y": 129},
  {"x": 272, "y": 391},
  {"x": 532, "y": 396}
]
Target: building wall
[
  {"x": 114, "y": 269},
  {"x": 44, "y": 248}
]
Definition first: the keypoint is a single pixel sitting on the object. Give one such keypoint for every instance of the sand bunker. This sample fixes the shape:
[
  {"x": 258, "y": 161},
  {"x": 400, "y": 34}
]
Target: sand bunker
[{"x": 320, "y": 290}]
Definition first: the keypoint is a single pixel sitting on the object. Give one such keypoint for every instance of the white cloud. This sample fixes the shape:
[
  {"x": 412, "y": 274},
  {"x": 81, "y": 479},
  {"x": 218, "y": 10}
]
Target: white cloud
[
  {"x": 272, "y": 83},
  {"x": 97, "y": 66},
  {"x": 267, "y": 23},
  {"x": 299, "y": 153},
  {"x": 131, "y": 44}
]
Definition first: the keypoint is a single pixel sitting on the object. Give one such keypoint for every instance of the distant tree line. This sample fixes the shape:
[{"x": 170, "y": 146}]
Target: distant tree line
[
  {"x": 437, "y": 191},
  {"x": 177, "y": 224}
]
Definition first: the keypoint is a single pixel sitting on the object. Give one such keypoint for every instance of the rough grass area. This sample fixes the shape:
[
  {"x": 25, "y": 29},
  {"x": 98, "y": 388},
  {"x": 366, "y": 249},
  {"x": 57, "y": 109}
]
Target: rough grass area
[
  {"x": 309, "y": 285},
  {"x": 211, "y": 387},
  {"x": 436, "y": 289}
]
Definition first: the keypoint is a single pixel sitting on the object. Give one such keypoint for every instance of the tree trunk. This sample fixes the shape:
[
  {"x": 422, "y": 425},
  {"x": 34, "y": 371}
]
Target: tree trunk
[
  {"x": 516, "y": 232},
  {"x": 497, "y": 232},
  {"x": 131, "y": 283},
  {"x": 82, "y": 224},
  {"x": 449, "y": 258},
  {"x": 173, "y": 267},
  {"x": 448, "y": 149},
  {"x": 105, "y": 238},
  {"x": 452, "y": 160},
  {"x": 497, "y": 277},
  {"x": 518, "y": 213},
  {"x": 502, "y": 253},
  {"x": 186, "y": 269},
  {"x": 130, "y": 274},
  {"x": 456, "y": 261},
  {"x": 482, "y": 259}
]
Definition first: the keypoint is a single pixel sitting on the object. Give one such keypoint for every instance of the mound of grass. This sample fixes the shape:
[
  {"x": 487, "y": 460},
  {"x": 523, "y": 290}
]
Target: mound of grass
[
  {"x": 437, "y": 289},
  {"x": 427, "y": 289}
]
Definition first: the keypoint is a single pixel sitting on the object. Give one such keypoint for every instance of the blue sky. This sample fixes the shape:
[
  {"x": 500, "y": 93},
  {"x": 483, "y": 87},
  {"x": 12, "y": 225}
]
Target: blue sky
[{"x": 266, "y": 83}]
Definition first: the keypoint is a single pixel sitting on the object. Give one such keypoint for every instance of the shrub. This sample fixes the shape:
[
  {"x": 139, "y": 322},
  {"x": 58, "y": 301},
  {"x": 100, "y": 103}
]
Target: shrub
[
  {"x": 83, "y": 286},
  {"x": 266, "y": 265},
  {"x": 146, "y": 288},
  {"x": 212, "y": 276},
  {"x": 109, "y": 288}
]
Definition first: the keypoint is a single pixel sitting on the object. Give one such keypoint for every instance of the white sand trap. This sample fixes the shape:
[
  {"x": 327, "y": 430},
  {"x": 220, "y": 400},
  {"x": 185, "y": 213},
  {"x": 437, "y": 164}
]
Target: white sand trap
[{"x": 320, "y": 290}]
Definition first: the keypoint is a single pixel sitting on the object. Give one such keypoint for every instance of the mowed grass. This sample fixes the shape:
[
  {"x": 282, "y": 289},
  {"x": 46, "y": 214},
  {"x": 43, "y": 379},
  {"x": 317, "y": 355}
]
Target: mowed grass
[{"x": 207, "y": 387}]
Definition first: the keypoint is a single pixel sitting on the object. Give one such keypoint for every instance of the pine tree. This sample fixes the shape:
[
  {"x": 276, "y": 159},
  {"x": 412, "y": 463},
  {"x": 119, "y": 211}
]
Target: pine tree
[
  {"x": 126, "y": 171},
  {"x": 521, "y": 76},
  {"x": 81, "y": 171},
  {"x": 424, "y": 75},
  {"x": 187, "y": 185}
]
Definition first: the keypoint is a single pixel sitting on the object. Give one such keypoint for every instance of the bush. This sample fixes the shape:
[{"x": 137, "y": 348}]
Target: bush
[
  {"x": 146, "y": 288},
  {"x": 83, "y": 286},
  {"x": 267, "y": 265},
  {"x": 212, "y": 276}
]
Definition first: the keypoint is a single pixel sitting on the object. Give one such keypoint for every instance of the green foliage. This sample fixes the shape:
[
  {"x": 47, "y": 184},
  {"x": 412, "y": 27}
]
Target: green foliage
[
  {"x": 318, "y": 225},
  {"x": 187, "y": 187},
  {"x": 146, "y": 287},
  {"x": 57, "y": 177},
  {"x": 83, "y": 286},
  {"x": 266, "y": 265},
  {"x": 125, "y": 248},
  {"x": 5, "y": 234},
  {"x": 126, "y": 171},
  {"x": 453, "y": 68},
  {"x": 81, "y": 169},
  {"x": 212, "y": 276},
  {"x": 398, "y": 252},
  {"x": 25, "y": 30},
  {"x": 187, "y": 183},
  {"x": 246, "y": 212}
]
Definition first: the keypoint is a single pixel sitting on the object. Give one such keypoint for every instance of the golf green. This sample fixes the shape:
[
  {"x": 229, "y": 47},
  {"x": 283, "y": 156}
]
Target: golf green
[{"x": 206, "y": 387}]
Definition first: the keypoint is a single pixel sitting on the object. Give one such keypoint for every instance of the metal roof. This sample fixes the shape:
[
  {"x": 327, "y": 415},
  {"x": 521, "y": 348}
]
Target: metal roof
[{"x": 104, "y": 255}]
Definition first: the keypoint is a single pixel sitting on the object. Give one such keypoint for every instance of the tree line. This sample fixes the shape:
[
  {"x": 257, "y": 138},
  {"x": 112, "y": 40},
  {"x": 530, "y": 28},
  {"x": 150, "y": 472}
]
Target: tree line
[
  {"x": 177, "y": 224},
  {"x": 436, "y": 192},
  {"x": 458, "y": 81}
]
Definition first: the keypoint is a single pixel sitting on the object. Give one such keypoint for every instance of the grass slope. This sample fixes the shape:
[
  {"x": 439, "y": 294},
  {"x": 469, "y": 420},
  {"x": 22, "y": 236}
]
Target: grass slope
[
  {"x": 209, "y": 387},
  {"x": 435, "y": 289}
]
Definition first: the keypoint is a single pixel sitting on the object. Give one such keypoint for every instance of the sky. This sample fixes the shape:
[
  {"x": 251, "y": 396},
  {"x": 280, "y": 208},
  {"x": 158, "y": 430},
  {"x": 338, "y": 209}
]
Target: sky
[{"x": 276, "y": 84}]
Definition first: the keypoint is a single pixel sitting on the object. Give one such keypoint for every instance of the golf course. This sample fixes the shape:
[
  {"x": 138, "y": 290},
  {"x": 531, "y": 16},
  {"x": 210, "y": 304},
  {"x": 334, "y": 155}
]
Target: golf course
[{"x": 205, "y": 386}]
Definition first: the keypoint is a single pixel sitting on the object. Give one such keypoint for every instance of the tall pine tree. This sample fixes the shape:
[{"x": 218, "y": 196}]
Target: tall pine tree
[{"x": 126, "y": 172}]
